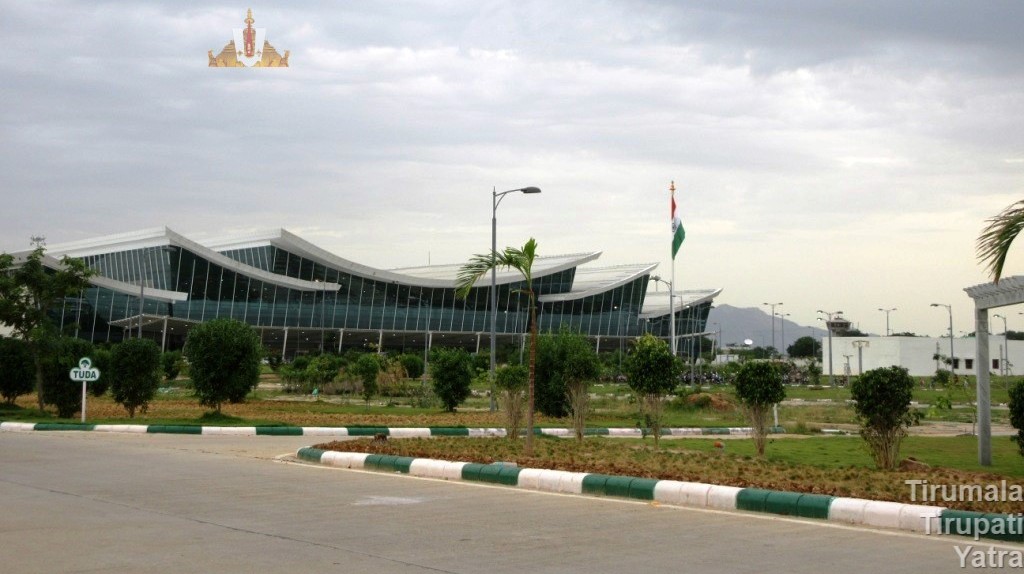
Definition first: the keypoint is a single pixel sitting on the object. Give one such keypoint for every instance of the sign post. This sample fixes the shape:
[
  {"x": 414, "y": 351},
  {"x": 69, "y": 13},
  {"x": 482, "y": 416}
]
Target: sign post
[{"x": 85, "y": 373}]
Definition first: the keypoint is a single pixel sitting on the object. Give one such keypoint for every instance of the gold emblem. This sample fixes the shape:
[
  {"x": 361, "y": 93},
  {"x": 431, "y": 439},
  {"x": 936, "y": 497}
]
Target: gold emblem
[{"x": 249, "y": 49}]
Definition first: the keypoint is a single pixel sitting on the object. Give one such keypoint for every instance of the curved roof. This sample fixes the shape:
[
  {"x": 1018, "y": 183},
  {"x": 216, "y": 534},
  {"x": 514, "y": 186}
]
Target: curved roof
[
  {"x": 162, "y": 236},
  {"x": 593, "y": 280},
  {"x": 122, "y": 287},
  {"x": 442, "y": 276},
  {"x": 656, "y": 303}
]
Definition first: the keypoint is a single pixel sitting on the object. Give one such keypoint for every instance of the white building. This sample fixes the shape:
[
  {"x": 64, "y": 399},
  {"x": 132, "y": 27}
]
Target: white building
[{"x": 918, "y": 355}]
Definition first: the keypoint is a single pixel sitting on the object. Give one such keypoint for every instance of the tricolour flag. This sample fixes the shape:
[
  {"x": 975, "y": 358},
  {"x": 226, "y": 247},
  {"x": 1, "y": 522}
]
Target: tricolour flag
[{"x": 678, "y": 233}]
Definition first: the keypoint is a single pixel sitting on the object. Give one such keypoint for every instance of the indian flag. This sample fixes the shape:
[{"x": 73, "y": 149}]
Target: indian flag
[{"x": 678, "y": 233}]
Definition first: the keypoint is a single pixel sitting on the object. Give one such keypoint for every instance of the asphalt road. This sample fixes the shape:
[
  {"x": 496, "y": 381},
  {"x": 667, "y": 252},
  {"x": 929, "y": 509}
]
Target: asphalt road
[{"x": 99, "y": 502}]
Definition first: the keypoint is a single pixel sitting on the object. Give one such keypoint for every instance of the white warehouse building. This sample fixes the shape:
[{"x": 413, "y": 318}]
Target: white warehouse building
[{"x": 918, "y": 354}]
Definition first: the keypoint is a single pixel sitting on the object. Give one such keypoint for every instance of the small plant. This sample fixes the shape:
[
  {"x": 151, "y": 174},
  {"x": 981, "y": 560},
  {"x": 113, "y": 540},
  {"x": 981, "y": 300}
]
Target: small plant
[
  {"x": 653, "y": 373},
  {"x": 759, "y": 387},
  {"x": 171, "y": 363},
  {"x": 366, "y": 368},
  {"x": 511, "y": 381},
  {"x": 882, "y": 402}
]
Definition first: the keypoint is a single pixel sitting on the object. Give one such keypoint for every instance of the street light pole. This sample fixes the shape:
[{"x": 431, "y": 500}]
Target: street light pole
[
  {"x": 828, "y": 326},
  {"x": 671, "y": 310},
  {"x": 496, "y": 198},
  {"x": 949, "y": 308},
  {"x": 887, "y": 311},
  {"x": 782, "y": 327},
  {"x": 773, "y": 306}
]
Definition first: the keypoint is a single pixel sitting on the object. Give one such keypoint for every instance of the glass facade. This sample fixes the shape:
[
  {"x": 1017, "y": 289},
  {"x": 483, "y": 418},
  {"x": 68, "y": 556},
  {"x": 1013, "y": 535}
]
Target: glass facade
[{"x": 359, "y": 303}]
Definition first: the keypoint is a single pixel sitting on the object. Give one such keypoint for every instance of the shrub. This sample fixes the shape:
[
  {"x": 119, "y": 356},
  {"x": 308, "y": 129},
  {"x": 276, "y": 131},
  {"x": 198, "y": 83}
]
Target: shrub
[
  {"x": 882, "y": 403},
  {"x": 413, "y": 365},
  {"x": 321, "y": 370},
  {"x": 451, "y": 371},
  {"x": 134, "y": 374},
  {"x": 101, "y": 358},
  {"x": 1017, "y": 413},
  {"x": 511, "y": 381},
  {"x": 224, "y": 357},
  {"x": 17, "y": 369},
  {"x": 653, "y": 373},
  {"x": 758, "y": 387},
  {"x": 59, "y": 390},
  {"x": 170, "y": 364},
  {"x": 366, "y": 368}
]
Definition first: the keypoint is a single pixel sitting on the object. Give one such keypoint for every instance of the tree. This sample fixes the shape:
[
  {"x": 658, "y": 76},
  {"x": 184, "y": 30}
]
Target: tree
[
  {"x": 61, "y": 355},
  {"x": 522, "y": 261},
  {"x": 1017, "y": 413},
  {"x": 224, "y": 358},
  {"x": 451, "y": 372},
  {"x": 805, "y": 346},
  {"x": 653, "y": 373},
  {"x": 365, "y": 368},
  {"x": 28, "y": 292},
  {"x": 134, "y": 374},
  {"x": 511, "y": 381},
  {"x": 16, "y": 369},
  {"x": 759, "y": 387},
  {"x": 882, "y": 403},
  {"x": 321, "y": 370},
  {"x": 101, "y": 358},
  {"x": 995, "y": 240}
]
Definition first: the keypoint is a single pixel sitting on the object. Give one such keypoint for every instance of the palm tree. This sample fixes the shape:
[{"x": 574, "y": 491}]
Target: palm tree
[
  {"x": 994, "y": 242},
  {"x": 522, "y": 261}
]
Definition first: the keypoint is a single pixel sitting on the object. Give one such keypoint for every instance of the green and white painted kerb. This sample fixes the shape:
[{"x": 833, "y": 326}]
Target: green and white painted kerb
[
  {"x": 853, "y": 511},
  {"x": 396, "y": 432}
]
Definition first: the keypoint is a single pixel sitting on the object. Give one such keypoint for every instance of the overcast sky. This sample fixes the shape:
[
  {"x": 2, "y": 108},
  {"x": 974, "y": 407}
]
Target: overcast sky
[{"x": 827, "y": 155}]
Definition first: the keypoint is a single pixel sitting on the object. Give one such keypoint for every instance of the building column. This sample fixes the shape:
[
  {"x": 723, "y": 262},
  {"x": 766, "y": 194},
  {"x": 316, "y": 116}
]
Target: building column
[
  {"x": 380, "y": 342},
  {"x": 341, "y": 337},
  {"x": 981, "y": 366},
  {"x": 598, "y": 349},
  {"x": 478, "y": 343},
  {"x": 284, "y": 344},
  {"x": 163, "y": 337}
]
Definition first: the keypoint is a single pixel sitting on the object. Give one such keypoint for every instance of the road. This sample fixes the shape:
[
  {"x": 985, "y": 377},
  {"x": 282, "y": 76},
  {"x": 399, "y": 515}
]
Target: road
[{"x": 101, "y": 502}]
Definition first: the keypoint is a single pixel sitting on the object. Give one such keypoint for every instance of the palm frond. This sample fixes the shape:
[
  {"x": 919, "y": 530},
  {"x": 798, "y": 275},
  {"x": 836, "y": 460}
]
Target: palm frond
[
  {"x": 995, "y": 240},
  {"x": 471, "y": 272}
]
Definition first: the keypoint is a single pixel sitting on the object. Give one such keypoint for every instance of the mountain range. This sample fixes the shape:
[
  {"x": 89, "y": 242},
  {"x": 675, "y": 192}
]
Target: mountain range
[{"x": 739, "y": 324}]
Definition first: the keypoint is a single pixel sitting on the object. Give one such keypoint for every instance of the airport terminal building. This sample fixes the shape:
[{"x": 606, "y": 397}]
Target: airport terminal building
[{"x": 302, "y": 298}]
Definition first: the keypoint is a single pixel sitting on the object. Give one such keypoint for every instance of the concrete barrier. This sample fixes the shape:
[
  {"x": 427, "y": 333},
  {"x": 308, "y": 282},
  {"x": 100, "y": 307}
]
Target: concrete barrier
[
  {"x": 410, "y": 432},
  {"x": 16, "y": 426},
  {"x": 723, "y": 497},
  {"x": 138, "y": 429},
  {"x": 231, "y": 431}
]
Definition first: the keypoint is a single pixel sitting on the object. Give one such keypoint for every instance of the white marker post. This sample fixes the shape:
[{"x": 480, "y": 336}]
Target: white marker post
[{"x": 85, "y": 373}]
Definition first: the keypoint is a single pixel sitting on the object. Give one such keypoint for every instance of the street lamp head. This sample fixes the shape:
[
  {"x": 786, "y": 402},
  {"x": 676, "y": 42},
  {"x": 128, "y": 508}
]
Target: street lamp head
[{"x": 530, "y": 190}]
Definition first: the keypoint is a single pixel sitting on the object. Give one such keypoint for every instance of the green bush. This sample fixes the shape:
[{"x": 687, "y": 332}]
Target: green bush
[
  {"x": 171, "y": 363},
  {"x": 366, "y": 368},
  {"x": 224, "y": 357},
  {"x": 758, "y": 387},
  {"x": 17, "y": 369},
  {"x": 882, "y": 403},
  {"x": 62, "y": 355},
  {"x": 134, "y": 374},
  {"x": 101, "y": 358},
  {"x": 413, "y": 365},
  {"x": 1017, "y": 413},
  {"x": 451, "y": 372}
]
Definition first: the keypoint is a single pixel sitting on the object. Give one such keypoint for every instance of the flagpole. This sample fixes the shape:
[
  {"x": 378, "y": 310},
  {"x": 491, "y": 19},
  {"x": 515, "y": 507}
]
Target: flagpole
[{"x": 672, "y": 283}]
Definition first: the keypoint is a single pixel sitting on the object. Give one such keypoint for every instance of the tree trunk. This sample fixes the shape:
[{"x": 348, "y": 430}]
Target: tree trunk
[
  {"x": 39, "y": 381},
  {"x": 528, "y": 451}
]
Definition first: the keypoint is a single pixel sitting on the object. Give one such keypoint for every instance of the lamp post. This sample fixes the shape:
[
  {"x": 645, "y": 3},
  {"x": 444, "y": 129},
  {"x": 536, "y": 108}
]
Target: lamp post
[
  {"x": 1003, "y": 359},
  {"x": 773, "y": 306},
  {"x": 782, "y": 327},
  {"x": 887, "y": 311},
  {"x": 496, "y": 198},
  {"x": 671, "y": 310},
  {"x": 828, "y": 326},
  {"x": 949, "y": 309}
]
